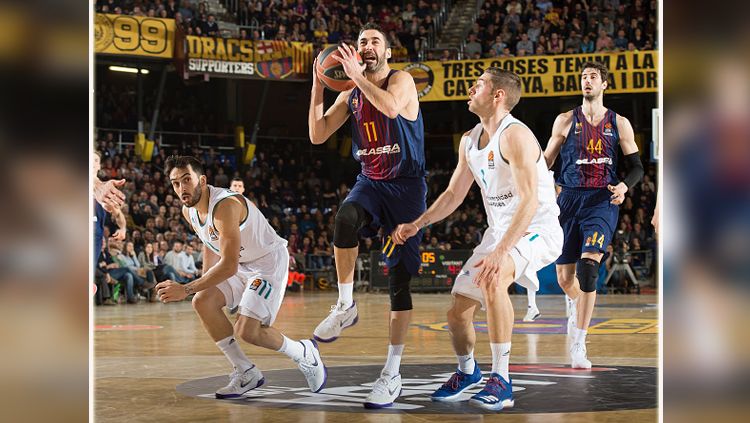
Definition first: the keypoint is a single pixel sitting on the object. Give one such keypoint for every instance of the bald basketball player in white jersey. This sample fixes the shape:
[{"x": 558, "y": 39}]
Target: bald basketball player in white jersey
[
  {"x": 245, "y": 264},
  {"x": 502, "y": 155}
]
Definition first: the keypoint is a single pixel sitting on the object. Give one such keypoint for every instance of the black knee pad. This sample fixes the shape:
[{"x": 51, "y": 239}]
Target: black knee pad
[
  {"x": 350, "y": 218},
  {"x": 587, "y": 271},
  {"x": 398, "y": 287}
]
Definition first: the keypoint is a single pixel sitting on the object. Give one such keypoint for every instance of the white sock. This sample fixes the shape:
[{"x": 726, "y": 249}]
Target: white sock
[
  {"x": 292, "y": 349},
  {"x": 231, "y": 349},
  {"x": 466, "y": 363},
  {"x": 532, "y": 298},
  {"x": 580, "y": 336},
  {"x": 501, "y": 359},
  {"x": 393, "y": 362},
  {"x": 570, "y": 307},
  {"x": 574, "y": 333},
  {"x": 345, "y": 293}
]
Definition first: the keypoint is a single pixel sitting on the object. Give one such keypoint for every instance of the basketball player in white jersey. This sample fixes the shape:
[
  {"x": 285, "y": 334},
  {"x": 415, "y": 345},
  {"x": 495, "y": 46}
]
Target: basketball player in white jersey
[
  {"x": 502, "y": 155},
  {"x": 245, "y": 264}
]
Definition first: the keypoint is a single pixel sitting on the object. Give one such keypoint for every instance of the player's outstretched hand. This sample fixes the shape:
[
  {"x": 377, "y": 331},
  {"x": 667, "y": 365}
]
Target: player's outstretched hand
[
  {"x": 403, "y": 232},
  {"x": 169, "y": 291},
  {"x": 109, "y": 195},
  {"x": 618, "y": 193}
]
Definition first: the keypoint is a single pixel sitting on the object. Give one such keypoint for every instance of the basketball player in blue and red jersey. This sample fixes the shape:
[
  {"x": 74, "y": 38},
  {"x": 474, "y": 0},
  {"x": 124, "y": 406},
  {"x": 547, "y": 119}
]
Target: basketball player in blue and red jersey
[
  {"x": 586, "y": 138},
  {"x": 388, "y": 141}
]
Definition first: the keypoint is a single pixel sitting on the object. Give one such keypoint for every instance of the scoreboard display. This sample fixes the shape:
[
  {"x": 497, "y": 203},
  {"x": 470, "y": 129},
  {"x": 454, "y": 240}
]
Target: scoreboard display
[{"x": 437, "y": 272}]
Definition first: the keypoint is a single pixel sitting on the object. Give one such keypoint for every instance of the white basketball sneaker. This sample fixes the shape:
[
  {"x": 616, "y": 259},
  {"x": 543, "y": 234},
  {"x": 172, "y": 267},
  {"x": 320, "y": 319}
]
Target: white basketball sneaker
[
  {"x": 385, "y": 390},
  {"x": 311, "y": 365},
  {"x": 578, "y": 358},
  {"x": 241, "y": 382},
  {"x": 532, "y": 314},
  {"x": 339, "y": 319}
]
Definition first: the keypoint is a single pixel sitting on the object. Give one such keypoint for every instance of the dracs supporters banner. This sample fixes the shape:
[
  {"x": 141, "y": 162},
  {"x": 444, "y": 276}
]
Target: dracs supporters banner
[
  {"x": 134, "y": 36},
  {"x": 542, "y": 76},
  {"x": 229, "y": 57}
]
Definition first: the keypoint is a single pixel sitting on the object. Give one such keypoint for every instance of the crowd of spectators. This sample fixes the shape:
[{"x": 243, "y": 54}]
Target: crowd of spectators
[
  {"x": 513, "y": 28},
  {"x": 409, "y": 25},
  {"x": 318, "y": 22},
  {"x": 296, "y": 192},
  {"x": 503, "y": 28}
]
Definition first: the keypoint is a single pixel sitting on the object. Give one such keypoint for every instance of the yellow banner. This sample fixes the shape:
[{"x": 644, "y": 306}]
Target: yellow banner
[
  {"x": 134, "y": 36},
  {"x": 542, "y": 76},
  {"x": 246, "y": 58}
]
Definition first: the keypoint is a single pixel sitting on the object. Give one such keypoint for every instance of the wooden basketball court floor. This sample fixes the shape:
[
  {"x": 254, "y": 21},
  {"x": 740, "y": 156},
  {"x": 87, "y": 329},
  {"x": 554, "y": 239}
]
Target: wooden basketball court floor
[{"x": 144, "y": 352}]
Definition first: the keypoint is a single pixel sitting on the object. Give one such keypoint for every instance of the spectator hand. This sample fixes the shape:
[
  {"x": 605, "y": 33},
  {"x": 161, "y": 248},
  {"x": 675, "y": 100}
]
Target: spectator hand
[
  {"x": 170, "y": 291},
  {"x": 618, "y": 193},
  {"x": 108, "y": 194},
  {"x": 403, "y": 232},
  {"x": 489, "y": 270},
  {"x": 352, "y": 67}
]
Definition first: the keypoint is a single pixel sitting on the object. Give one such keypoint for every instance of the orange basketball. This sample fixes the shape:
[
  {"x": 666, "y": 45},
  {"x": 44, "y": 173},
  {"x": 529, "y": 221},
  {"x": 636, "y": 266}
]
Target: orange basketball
[{"x": 330, "y": 71}]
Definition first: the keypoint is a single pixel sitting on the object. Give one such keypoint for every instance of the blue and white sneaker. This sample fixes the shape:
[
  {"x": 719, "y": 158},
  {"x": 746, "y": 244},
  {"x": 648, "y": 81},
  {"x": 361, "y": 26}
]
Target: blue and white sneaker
[
  {"x": 311, "y": 365},
  {"x": 385, "y": 390},
  {"x": 241, "y": 383},
  {"x": 496, "y": 395},
  {"x": 337, "y": 320},
  {"x": 457, "y": 384}
]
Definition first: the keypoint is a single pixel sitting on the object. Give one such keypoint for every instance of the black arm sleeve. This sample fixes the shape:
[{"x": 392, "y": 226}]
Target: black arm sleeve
[{"x": 635, "y": 169}]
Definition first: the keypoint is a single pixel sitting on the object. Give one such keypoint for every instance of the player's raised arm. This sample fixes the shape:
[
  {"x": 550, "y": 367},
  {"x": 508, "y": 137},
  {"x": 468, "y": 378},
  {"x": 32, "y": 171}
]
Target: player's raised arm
[
  {"x": 560, "y": 130},
  {"x": 446, "y": 203},
  {"x": 322, "y": 125},
  {"x": 392, "y": 101}
]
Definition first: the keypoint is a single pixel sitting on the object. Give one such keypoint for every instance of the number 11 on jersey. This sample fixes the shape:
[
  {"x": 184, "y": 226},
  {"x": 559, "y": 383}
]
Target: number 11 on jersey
[{"x": 371, "y": 137}]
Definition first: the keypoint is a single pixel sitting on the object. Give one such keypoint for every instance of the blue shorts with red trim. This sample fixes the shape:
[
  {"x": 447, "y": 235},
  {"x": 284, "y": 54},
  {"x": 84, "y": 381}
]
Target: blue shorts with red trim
[
  {"x": 588, "y": 220},
  {"x": 390, "y": 203}
]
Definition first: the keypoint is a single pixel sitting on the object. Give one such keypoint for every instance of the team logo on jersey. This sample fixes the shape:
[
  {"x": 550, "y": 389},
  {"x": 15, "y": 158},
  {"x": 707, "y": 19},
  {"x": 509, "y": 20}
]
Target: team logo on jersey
[
  {"x": 491, "y": 160},
  {"x": 254, "y": 285},
  {"x": 212, "y": 234},
  {"x": 386, "y": 149},
  {"x": 608, "y": 129},
  {"x": 356, "y": 107},
  {"x": 579, "y": 128}
]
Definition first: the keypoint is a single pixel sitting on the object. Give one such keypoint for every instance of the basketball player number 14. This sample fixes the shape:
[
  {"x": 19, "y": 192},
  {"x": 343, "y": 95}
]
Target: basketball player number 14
[
  {"x": 374, "y": 136},
  {"x": 591, "y": 241}
]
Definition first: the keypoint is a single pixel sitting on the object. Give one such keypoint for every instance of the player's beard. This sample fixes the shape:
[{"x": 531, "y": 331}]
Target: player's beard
[
  {"x": 195, "y": 197},
  {"x": 593, "y": 95},
  {"x": 375, "y": 67}
]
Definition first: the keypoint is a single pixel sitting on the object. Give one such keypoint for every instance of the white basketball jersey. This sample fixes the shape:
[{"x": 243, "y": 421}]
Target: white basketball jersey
[
  {"x": 500, "y": 194},
  {"x": 257, "y": 237}
]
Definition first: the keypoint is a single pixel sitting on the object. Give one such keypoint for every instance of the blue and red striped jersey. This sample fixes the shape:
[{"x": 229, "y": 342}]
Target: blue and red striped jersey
[
  {"x": 589, "y": 153},
  {"x": 386, "y": 148}
]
